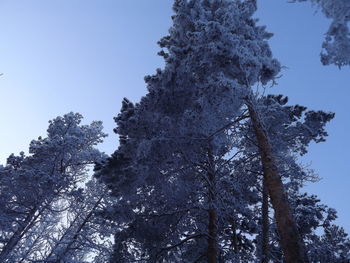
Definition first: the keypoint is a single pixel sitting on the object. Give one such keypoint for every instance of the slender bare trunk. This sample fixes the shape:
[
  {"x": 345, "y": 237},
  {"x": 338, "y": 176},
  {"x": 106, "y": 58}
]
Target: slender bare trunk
[
  {"x": 29, "y": 222},
  {"x": 16, "y": 237},
  {"x": 29, "y": 249},
  {"x": 78, "y": 230},
  {"x": 59, "y": 242},
  {"x": 212, "y": 226},
  {"x": 265, "y": 225},
  {"x": 291, "y": 241}
]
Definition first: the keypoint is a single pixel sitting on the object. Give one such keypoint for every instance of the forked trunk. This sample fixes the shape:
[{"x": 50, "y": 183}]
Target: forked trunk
[{"x": 291, "y": 241}]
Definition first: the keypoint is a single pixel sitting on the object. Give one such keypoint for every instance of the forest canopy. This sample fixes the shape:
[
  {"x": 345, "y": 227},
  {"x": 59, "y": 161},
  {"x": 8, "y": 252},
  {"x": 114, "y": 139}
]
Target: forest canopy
[{"x": 208, "y": 166}]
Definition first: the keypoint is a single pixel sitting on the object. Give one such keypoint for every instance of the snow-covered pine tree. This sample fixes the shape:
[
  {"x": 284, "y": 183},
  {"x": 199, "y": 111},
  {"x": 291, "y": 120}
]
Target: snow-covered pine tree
[
  {"x": 325, "y": 242},
  {"x": 336, "y": 47},
  {"x": 214, "y": 54},
  {"x": 240, "y": 56},
  {"x": 34, "y": 186},
  {"x": 332, "y": 246},
  {"x": 292, "y": 128}
]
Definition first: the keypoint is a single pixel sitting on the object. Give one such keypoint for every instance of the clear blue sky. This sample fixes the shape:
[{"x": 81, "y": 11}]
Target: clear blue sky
[{"x": 86, "y": 55}]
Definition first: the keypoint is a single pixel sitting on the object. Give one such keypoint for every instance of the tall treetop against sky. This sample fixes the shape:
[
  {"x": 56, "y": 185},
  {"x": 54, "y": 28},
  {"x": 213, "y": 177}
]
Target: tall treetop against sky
[{"x": 85, "y": 56}]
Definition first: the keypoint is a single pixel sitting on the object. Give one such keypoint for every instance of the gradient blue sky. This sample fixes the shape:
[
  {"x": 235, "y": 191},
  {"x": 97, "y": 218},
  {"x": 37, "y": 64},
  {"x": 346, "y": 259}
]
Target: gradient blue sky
[{"x": 86, "y": 55}]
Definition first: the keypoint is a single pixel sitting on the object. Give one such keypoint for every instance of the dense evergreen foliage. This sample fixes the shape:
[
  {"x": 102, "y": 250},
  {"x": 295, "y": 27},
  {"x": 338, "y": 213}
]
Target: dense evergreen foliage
[
  {"x": 336, "y": 47},
  {"x": 207, "y": 169},
  {"x": 42, "y": 196},
  {"x": 188, "y": 171}
]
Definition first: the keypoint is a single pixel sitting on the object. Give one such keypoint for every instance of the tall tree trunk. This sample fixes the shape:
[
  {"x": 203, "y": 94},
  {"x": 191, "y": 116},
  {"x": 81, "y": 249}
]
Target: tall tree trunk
[
  {"x": 265, "y": 225},
  {"x": 212, "y": 226},
  {"x": 291, "y": 241}
]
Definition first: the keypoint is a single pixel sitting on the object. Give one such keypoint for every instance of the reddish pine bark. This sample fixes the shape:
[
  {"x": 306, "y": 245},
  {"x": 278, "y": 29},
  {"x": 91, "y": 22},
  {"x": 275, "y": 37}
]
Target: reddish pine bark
[
  {"x": 265, "y": 225},
  {"x": 291, "y": 241}
]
